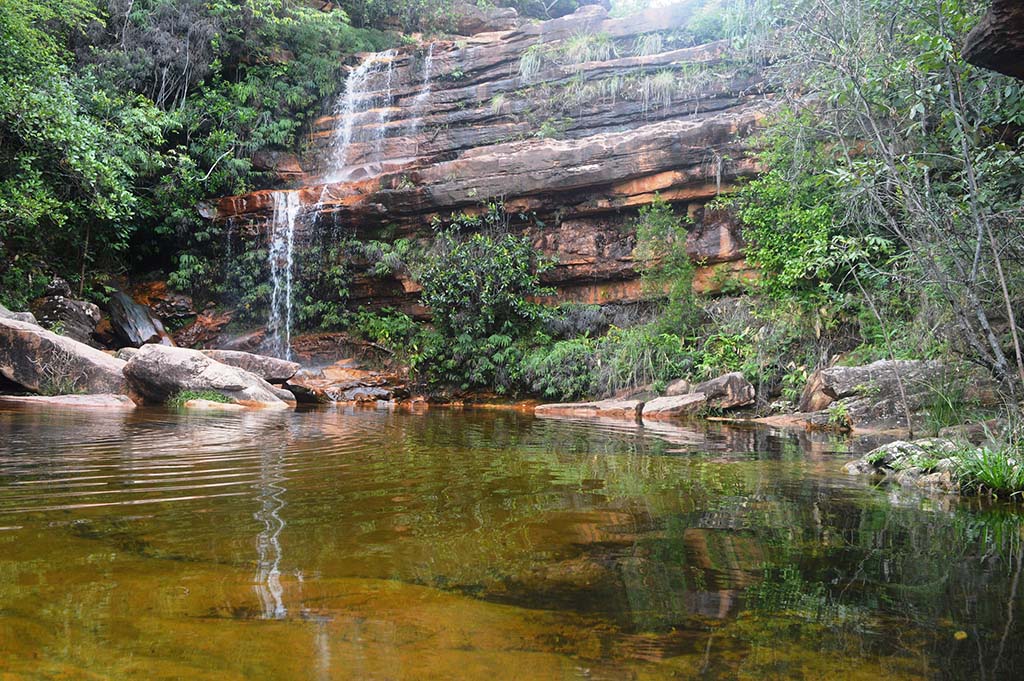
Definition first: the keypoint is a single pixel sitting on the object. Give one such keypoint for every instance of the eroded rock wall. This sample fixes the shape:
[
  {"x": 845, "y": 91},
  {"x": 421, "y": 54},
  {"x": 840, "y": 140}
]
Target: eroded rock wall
[{"x": 579, "y": 121}]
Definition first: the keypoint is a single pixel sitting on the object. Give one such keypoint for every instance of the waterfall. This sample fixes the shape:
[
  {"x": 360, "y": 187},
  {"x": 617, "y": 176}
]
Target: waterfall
[
  {"x": 419, "y": 104},
  {"x": 360, "y": 97},
  {"x": 287, "y": 206}
]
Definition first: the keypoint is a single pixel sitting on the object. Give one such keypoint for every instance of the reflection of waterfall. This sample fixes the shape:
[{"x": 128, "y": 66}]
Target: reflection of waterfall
[
  {"x": 359, "y": 99},
  {"x": 268, "y": 542},
  {"x": 282, "y": 241}
]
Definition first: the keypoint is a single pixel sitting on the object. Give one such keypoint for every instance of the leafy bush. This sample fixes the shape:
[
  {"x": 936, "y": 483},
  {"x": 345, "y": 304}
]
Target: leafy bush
[
  {"x": 478, "y": 281},
  {"x": 564, "y": 371}
]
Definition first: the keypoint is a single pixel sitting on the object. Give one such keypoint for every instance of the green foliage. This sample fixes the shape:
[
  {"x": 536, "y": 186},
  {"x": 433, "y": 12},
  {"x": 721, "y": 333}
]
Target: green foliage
[
  {"x": 478, "y": 280},
  {"x": 639, "y": 356},
  {"x": 180, "y": 398},
  {"x": 388, "y": 328},
  {"x": 664, "y": 265},
  {"x": 114, "y": 126},
  {"x": 998, "y": 470},
  {"x": 562, "y": 372}
]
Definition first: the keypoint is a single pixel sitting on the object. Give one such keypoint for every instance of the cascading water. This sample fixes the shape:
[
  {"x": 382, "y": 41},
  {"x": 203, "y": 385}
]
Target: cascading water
[
  {"x": 419, "y": 103},
  {"x": 367, "y": 87},
  {"x": 287, "y": 207}
]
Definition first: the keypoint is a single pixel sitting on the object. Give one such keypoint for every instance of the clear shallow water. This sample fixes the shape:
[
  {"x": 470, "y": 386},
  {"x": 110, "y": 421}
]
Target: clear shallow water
[{"x": 341, "y": 544}]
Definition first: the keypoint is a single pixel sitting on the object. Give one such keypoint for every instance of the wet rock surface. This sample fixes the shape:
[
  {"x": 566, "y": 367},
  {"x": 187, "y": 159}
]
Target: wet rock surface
[
  {"x": 158, "y": 372},
  {"x": 134, "y": 324},
  {"x": 100, "y": 401},
  {"x": 45, "y": 362},
  {"x": 475, "y": 136}
]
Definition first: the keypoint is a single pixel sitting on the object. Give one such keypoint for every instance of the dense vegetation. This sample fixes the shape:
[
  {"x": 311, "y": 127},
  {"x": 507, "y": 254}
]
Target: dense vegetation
[
  {"x": 117, "y": 117},
  {"x": 886, "y": 224}
]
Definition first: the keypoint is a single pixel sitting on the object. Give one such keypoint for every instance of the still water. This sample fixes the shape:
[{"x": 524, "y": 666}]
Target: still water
[{"x": 363, "y": 544}]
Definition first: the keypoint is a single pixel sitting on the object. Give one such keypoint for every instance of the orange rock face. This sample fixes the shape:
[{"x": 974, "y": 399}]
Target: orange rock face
[{"x": 580, "y": 146}]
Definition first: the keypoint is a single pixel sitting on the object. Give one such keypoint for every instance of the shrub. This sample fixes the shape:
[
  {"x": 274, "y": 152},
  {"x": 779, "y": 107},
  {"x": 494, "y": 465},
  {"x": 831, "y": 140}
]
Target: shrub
[{"x": 563, "y": 371}]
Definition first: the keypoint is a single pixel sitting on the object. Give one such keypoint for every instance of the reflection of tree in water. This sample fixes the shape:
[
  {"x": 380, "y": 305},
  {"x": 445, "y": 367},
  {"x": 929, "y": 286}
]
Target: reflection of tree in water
[{"x": 268, "y": 542}]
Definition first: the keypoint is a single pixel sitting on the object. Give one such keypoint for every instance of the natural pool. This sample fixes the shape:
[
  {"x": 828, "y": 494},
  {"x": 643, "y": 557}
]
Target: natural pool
[{"x": 342, "y": 544}]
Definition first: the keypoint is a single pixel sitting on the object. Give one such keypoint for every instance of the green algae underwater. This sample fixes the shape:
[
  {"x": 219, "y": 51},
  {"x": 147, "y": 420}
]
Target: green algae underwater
[{"x": 363, "y": 544}]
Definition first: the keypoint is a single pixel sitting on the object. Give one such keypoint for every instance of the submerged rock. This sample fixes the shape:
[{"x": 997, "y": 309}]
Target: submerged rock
[
  {"x": 927, "y": 463},
  {"x": 270, "y": 369},
  {"x": 44, "y": 362},
  {"x": 101, "y": 401},
  {"x": 159, "y": 372}
]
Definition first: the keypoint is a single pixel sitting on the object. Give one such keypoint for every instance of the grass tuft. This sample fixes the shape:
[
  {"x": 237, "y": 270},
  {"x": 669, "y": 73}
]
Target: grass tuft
[{"x": 179, "y": 399}]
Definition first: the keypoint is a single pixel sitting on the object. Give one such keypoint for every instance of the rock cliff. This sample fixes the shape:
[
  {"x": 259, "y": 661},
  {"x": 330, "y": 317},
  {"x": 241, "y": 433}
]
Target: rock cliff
[
  {"x": 997, "y": 42},
  {"x": 579, "y": 120}
]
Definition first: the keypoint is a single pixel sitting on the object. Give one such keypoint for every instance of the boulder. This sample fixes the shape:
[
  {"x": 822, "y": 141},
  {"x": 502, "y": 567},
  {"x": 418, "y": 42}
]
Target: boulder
[
  {"x": 674, "y": 406},
  {"x": 270, "y": 369},
  {"x": 678, "y": 387},
  {"x": 625, "y": 409},
  {"x": 869, "y": 397},
  {"x": 134, "y": 324},
  {"x": 100, "y": 401},
  {"x": 27, "y": 317},
  {"x": 62, "y": 314},
  {"x": 727, "y": 391},
  {"x": 44, "y": 362},
  {"x": 158, "y": 372},
  {"x": 469, "y": 19}
]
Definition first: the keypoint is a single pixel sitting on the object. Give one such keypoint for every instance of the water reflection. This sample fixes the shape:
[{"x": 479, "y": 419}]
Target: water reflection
[
  {"x": 268, "y": 542},
  {"x": 467, "y": 545}
]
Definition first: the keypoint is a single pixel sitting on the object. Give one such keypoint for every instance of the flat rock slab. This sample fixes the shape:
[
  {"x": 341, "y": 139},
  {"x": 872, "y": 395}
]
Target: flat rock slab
[
  {"x": 624, "y": 409},
  {"x": 674, "y": 406},
  {"x": 73, "y": 401},
  {"x": 44, "y": 362},
  {"x": 270, "y": 369},
  {"x": 210, "y": 405},
  {"x": 158, "y": 372}
]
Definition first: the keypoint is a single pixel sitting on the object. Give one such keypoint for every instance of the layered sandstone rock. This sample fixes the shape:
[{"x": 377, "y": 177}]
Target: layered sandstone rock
[
  {"x": 997, "y": 42},
  {"x": 580, "y": 143}
]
